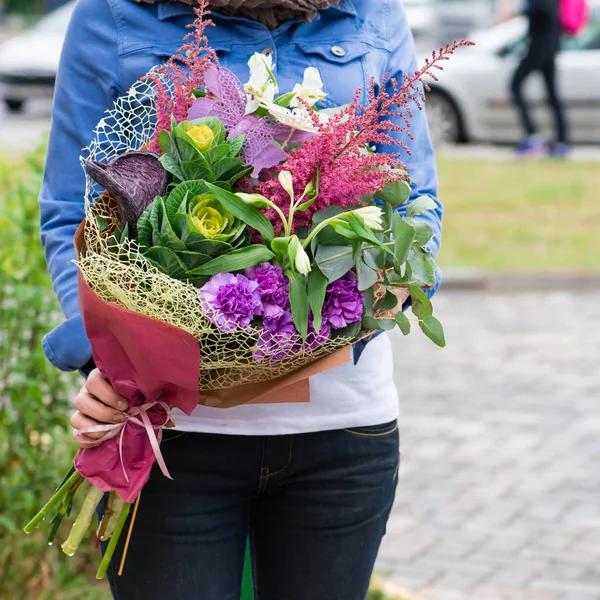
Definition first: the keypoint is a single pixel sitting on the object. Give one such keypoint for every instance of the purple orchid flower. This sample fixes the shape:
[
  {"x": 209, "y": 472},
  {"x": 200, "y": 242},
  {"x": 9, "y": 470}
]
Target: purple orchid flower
[{"x": 227, "y": 102}]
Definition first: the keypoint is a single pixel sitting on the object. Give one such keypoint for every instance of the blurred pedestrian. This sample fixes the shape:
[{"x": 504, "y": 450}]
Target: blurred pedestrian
[{"x": 545, "y": 30}]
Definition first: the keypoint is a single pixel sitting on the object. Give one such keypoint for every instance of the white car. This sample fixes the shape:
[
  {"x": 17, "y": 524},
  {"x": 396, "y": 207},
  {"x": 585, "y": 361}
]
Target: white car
[
  {"x": 472, "y": 102},
  {"x": 29, "y": 62}
]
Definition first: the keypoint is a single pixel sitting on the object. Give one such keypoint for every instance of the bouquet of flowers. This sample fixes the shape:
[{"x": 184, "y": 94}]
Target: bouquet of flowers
[{"x": 237, "y": 241}]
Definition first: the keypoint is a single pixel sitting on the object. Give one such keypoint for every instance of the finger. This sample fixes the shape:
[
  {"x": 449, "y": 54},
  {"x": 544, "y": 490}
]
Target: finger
[
  {"x": 94, "y": 409},
  {"x": 97, "y": 386},
  {"x": 80, "y": 421},
  {"x": 82, "y": 441}
]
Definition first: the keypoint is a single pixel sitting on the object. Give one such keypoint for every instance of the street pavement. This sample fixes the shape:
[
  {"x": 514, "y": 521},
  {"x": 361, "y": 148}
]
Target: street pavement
[{"x": 499, "y": 488}]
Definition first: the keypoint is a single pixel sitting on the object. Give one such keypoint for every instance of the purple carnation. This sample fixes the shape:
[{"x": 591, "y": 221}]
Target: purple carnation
[
  {"x": 273, "y": 347},
  {"x": 282, "y": 323},
  {"x": 230, "y": 301},
  {"x": 273, "y": 289},
  {"x": 279, "y": 339},
  {"x": 343, "y": 302},
  {"x": 314, "y": 339}
]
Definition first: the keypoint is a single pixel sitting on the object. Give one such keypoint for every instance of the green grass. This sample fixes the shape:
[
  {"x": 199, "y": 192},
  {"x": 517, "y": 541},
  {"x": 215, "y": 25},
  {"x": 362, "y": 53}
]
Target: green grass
[{"x": 521, "y": 216}]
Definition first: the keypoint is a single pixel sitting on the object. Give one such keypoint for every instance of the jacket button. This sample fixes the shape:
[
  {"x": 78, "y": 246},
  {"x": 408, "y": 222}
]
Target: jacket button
[
  {"x": 338, "y": 51},
  {"x": 268, "y": 51}
]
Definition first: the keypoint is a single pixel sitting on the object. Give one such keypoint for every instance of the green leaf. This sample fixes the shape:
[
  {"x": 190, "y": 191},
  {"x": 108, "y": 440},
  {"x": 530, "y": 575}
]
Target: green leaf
[
  {"x": 368, "y": 301},
  {"x": 234, "y": 178},
  {"x": 298, "y": 302},
  {"x": 306, "y": 205},
  {"x": 433, "y": 329},
  {"x": 359, "y": 227},
  {"x": 172, "y": 165},
  {"x": 236, "y": 260},
  {"x": 388, "y": 213},
  {"x": 348, "y": 332},
  {"x": 389, "y": 302},
  {"x": 387, "y": 324},
  {"x": 421, "y": 304},
  {"x": 367, "y": 277},
  {"x": 280, "y": 246},
  {"x": 317, "y": 286},
  {"x": 168, "y": 238},
  {"x": 144, "y": 228},
  {"x": 292, "y": 249},
  {"x": 403, "y": 322},
  {"x": 103, "y": 222},
  {"x": 245, "y": 212},
  {"x": 371, "y": 323},
  {"x": 227, "y": 168},
  {"x": 395, "y": 193},
  {"x": 403, "y": 238},
  {"x": 167, "y": 144},
  {"x": 217, "y": 153},
  {"x": 285, "y": 99},
  {"x": 193, "y": 260},
  {"x": 423, "y": 233},
  {"x": 423, "y": 267},
  {"x": 419, "y": 206},
  {"x": 166, "y": 261},
  {"x": 370, "y": 257},
  {"x": 330, "y": 211},
  {"x": 344, "y": 230},
  {"x": 235, "y": 145},
  {"x": 334, "y": 261},
  {"x": 196, "y": 170}
]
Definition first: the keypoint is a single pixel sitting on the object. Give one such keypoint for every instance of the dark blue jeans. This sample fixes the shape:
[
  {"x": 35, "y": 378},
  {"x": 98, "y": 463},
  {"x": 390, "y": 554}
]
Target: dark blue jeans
[{"x": 315, "y": 507}]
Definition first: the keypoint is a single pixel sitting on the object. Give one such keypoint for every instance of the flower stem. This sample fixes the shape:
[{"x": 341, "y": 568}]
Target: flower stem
[
  {"x": 112, "y": 545},
  {"x": 320, "y": 228},
  {"x": 82, "y": 523},
  {"x": 111, "y": 517},
  {"x": 62, "y": 491}
]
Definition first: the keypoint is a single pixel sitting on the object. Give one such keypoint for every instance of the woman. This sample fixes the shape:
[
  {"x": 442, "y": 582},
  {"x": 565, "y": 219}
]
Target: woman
[
  {"x": 545, "y": 32},
  {"x": 311, "y": 485}
]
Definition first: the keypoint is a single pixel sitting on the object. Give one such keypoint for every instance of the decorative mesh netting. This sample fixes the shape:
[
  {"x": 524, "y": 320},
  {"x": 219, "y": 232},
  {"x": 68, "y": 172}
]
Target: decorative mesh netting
[{"x": 118, "y": 273}]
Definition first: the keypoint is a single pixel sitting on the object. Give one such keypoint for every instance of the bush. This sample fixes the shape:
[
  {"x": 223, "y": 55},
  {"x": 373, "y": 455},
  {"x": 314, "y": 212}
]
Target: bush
[{"x": 35, "y": 441}]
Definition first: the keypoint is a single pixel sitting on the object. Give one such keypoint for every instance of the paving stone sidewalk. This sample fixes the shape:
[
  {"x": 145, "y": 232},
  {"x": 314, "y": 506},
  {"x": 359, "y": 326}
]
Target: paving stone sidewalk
[{"x": 499, "y": 494}]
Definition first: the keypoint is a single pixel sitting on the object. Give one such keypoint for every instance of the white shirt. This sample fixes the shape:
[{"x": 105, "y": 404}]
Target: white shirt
[{"x": 347, "y": 396}]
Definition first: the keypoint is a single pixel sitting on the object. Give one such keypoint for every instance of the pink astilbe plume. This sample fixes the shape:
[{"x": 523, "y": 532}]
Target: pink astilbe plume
[
  {"x": 183, "y": 73},
  {"x": 346, "y": 172}
]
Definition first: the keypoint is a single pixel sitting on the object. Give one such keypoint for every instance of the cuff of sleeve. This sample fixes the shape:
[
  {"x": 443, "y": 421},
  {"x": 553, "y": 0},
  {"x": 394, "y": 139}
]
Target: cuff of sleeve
[{"x": 67, "y": 347}]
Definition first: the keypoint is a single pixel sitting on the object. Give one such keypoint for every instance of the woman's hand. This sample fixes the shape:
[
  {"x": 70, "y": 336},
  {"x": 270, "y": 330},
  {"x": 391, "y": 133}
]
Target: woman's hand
[{"x": 97, "y": 404}]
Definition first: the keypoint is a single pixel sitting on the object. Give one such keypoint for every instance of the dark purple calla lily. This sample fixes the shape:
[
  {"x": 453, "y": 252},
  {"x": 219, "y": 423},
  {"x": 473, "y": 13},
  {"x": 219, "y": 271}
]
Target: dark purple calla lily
[{"x": 133, "y": 180}]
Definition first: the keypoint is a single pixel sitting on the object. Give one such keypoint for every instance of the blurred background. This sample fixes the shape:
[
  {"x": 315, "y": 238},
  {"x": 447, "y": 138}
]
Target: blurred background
[{"x": 499, "y": 486}]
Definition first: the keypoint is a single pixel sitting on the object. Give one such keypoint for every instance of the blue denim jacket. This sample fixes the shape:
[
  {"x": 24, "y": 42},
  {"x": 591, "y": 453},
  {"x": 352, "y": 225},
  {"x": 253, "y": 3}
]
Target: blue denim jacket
[{"x": 112, "y": 43}]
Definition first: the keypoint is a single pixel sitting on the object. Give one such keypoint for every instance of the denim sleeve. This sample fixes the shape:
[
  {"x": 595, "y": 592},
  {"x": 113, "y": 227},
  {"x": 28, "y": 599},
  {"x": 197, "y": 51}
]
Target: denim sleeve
[
  {"x": 87, "y": 84},
  {"x": 420, "y": 163}
]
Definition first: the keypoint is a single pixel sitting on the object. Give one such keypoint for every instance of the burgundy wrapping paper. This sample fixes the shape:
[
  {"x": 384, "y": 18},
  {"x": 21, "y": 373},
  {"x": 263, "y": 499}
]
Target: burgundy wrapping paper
[{"x": 145, "y": 360}]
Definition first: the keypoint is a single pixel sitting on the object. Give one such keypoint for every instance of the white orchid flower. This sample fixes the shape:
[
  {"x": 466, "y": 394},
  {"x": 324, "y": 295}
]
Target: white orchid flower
[
  {"x": 301, "y": 261},
  {"x": 299, "y": 118},
  {"x": 311, "y": 90},
  {"x": 372, "y": 216},
  {"x": 287, "y": 183},
  {"x": 262, "y": 86}
]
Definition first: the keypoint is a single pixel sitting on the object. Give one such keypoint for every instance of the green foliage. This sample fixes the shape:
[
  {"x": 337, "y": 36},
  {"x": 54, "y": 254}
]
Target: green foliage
[{"x": 35, "y": 399}]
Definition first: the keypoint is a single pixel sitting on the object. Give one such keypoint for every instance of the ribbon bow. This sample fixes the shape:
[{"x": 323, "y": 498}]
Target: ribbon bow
[{"x": 136, "y": 415}]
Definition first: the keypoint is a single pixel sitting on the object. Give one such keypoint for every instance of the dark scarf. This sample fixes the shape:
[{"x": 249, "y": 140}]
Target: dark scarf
[{"x": 270, "y": 12}]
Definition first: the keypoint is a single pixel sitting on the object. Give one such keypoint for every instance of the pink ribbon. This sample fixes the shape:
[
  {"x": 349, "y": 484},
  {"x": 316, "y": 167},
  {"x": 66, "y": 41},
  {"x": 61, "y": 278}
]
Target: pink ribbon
[{"x": 112, "y": 430}]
